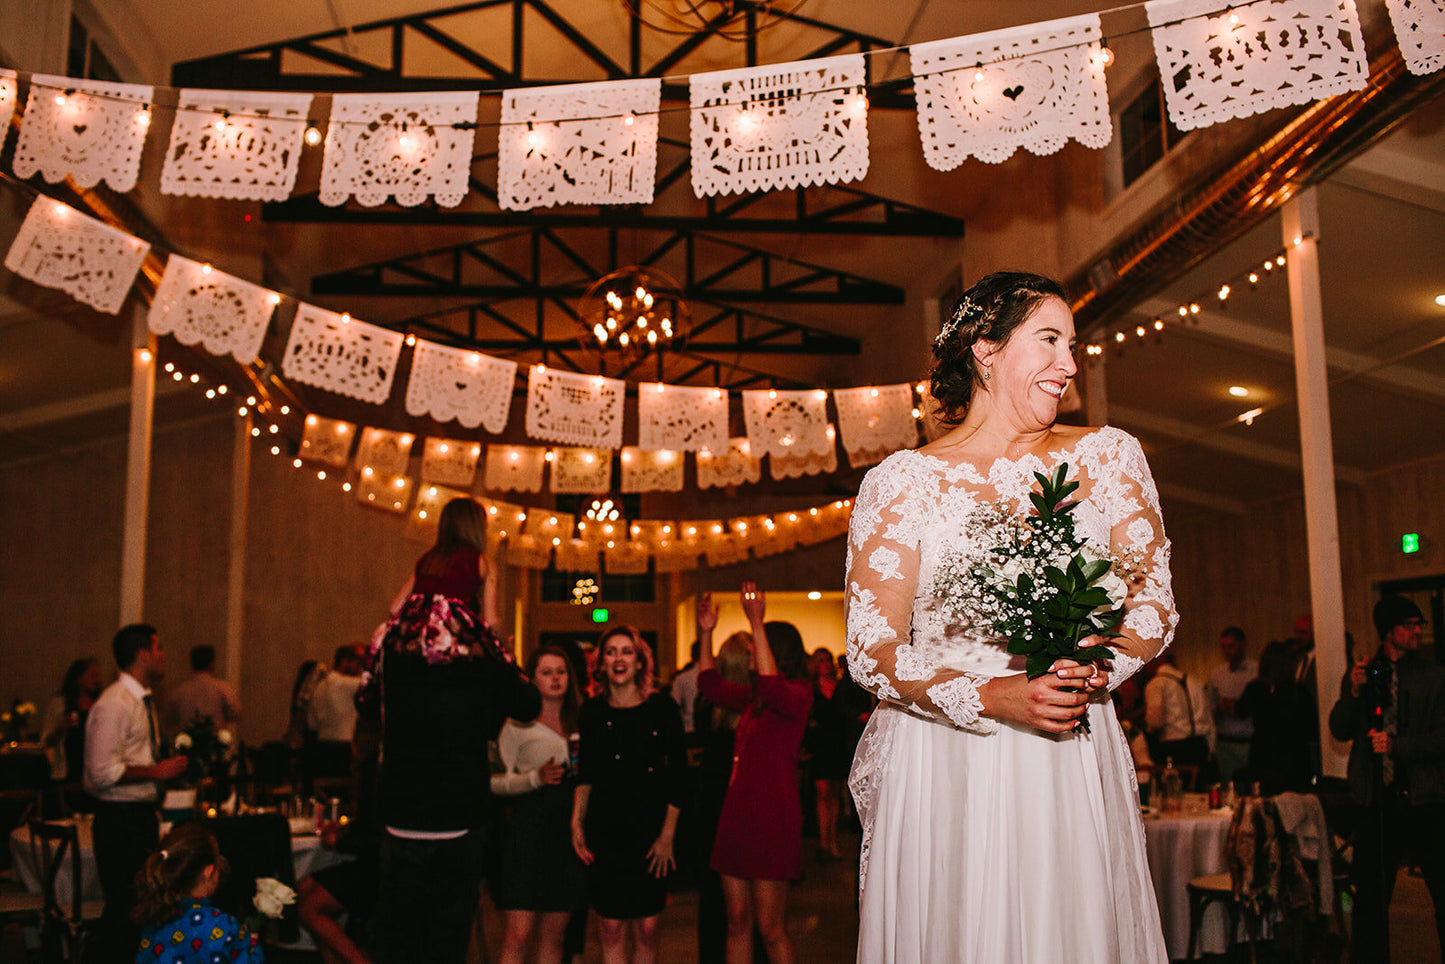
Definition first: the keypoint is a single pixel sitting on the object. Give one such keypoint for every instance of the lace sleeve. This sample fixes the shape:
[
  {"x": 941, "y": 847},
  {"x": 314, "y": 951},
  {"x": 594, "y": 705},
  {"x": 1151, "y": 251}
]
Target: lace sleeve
[
  {"x": 1136, "y": 532},
  {"x": 889, "y": 517}
]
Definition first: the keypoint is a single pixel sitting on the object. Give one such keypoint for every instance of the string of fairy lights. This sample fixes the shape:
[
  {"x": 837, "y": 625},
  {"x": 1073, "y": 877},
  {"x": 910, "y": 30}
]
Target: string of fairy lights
[
  {"x": 268, "y": 427},
  {"x": 1188, "y": 311}
]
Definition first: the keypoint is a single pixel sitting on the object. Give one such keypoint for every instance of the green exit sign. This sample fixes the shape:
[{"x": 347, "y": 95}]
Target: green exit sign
[
  {"x": 600, "y": 615},
  {"x": 1410, "y": 542}
]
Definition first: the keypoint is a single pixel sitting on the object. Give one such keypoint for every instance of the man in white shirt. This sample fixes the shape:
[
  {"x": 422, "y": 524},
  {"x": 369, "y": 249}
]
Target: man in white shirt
[
  {"x": 1177, "y": 714},
  {"x": 332, "y": 713},
  {"x": 1226, "y": 684},
  {"x": 123, "y": 772}
]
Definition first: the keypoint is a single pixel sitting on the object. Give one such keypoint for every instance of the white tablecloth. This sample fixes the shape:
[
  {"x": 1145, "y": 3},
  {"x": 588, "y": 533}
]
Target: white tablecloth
[
  {"x": 1182, "y": 847},
  {"x": 27, "y": 871},
  {"x": 307, "y": 855}
]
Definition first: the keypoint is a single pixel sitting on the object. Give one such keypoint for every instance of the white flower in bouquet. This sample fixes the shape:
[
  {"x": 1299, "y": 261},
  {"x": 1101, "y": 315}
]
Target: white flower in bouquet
[
  {"x": 183, "y": 741},
  {"x": 272, "y": 897},
  {"x": 1036, "y": 581},
  {"x": 1118, "y": 590}
]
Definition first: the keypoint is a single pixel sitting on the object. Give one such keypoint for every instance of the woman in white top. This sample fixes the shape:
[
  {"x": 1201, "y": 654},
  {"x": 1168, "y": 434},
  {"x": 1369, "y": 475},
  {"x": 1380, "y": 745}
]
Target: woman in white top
[
  {"x": 996, "y": 829},
  {"x": 541, "y": 880}
]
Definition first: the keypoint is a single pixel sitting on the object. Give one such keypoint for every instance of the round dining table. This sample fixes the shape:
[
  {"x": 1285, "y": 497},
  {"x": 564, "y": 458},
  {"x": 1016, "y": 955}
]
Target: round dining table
[
  {"x": 1183, "y": 845},
  {"x": 307, "y": 855}
]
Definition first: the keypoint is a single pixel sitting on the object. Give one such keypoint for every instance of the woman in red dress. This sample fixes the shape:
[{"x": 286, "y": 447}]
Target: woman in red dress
[{"x": 759, "y": 846}]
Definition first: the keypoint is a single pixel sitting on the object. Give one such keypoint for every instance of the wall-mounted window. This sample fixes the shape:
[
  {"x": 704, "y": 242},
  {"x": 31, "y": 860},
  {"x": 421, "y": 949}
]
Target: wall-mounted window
[
  {"x": 84, "y": 58},
  {"x": 1145, "y": 132}
]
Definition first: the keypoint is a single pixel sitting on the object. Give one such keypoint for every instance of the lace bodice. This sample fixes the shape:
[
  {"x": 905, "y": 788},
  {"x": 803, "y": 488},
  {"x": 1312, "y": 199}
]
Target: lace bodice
[{"x": 915, "y": 508}]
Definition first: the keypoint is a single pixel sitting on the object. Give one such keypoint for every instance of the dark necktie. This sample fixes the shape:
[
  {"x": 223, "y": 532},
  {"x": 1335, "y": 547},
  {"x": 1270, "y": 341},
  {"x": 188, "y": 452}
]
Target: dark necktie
[
  {"x": 151, "y": 723},
  {"x": 1390, "y": 718}
]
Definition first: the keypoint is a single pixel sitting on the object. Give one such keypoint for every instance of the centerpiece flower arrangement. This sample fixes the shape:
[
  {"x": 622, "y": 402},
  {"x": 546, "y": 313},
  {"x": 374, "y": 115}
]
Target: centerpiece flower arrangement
[
  {"x": 1038, "y": 582},
  {"x": 15, "y": 721},
  {"x": 207, "y": 749}
]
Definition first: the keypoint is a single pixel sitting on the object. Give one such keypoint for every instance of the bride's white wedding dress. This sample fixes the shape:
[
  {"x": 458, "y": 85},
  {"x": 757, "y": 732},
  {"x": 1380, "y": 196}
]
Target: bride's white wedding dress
[{"x": 984, "y": 841}]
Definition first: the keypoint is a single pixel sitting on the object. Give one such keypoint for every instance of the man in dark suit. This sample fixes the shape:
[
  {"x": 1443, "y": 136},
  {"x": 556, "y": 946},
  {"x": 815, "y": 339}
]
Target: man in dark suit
[{"x": 1393, "y": 707}]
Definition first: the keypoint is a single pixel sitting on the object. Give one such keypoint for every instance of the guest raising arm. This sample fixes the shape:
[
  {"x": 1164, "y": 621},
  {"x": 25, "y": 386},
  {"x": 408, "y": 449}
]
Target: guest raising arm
[{"x": 760, "y": 835}]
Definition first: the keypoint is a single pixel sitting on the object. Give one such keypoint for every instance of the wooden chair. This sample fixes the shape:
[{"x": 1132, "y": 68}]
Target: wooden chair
[
  {"x": 66, "y": 924},
  {"x": 1209, "y": 889}
]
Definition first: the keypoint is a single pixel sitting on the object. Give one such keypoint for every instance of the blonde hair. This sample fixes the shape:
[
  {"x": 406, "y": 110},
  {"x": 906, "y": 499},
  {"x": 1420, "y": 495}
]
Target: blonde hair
[
  {"x": 646, "y": 682},
  {"x": 733, "y": 657}
]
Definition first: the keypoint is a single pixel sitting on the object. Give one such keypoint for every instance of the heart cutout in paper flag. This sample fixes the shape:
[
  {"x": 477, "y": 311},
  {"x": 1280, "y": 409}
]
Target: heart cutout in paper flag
[
  {"x": 1012, "y": 93},
  {"x": 79, "y": 128}
]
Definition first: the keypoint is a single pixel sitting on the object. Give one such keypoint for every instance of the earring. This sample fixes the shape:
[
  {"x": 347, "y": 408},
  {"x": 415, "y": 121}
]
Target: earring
[{"x": 985, "y": 374}]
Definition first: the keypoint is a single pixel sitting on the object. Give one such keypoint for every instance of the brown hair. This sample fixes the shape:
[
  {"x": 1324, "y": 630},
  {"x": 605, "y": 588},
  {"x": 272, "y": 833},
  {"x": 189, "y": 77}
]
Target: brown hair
[
  {"x": 461, "y": 525},
  {"x": 172, "y": 872},
  {"x": 572, "y": 699},
  {"x": 645, "y": 663},
  {"x": 991, "y": 310}
]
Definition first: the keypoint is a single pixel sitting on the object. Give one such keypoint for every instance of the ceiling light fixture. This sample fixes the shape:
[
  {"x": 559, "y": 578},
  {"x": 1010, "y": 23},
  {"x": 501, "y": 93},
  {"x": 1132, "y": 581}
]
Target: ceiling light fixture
[
  {"x": 1238, "y": 391},
  {"x": 633, "y": 309}
]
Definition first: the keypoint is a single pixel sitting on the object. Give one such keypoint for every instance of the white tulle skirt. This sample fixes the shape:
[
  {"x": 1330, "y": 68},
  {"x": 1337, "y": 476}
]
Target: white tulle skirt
[{"x": 1015, "y": 846}]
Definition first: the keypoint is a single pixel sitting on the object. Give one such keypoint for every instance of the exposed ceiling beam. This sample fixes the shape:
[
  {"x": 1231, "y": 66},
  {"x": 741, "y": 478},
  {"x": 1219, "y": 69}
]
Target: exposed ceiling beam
[
  {"x": 1213, "y": 326},
  {"x": 1208, "y": 500},
  {"x": 325, "y": 61},
  {"x": 1212, "y": 438},
  {"x": 41, "y": 415},
  {"x": 1394, "y": 174},
  {"x": 865, "y": 214},
  {"x": 709, "y": 269}
]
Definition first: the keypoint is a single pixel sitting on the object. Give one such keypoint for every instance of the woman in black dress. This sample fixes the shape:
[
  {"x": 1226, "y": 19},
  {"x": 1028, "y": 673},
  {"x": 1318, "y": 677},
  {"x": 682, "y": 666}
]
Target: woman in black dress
[
  {"x": 631, "y": 782},
  {"x": 540, "y": 883},
  {"x": 830, "y": 752}
]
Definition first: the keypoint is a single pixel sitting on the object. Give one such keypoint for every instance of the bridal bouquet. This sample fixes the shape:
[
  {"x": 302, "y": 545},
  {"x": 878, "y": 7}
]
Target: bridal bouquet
[{"x": 1038, "y": 582}]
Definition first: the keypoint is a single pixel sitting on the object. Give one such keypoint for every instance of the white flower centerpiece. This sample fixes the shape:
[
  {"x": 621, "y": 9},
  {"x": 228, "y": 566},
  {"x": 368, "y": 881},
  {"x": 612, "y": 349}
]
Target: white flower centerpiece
[{"x": 1040, "y": 583}]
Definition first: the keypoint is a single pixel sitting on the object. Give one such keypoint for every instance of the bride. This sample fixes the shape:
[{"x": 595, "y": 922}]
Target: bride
[{"x": 995, "y": 828}]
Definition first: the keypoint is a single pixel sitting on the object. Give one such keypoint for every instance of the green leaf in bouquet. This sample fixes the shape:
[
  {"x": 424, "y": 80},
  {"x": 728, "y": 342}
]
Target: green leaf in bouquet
[
  {"x": 1056, "y": 578},
  {"x": 1025, "y": 585},
  {"x": 1108, "y": 621},
  {"x": 1040, "y": 503},
  {"x": 1061, "y": 473},
  {"x": 1038, "y": 664},
  {"x": 1090, "y": 653},
  {"x": 1057, "y": 607},
  {"x": 1096, "y": 570},
  {"x": 1067, "y": 489},
  {"x": 1093, "y": 597}
]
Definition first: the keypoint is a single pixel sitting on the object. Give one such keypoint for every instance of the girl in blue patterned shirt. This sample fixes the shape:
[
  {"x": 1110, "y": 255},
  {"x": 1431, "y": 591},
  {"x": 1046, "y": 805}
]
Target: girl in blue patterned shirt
[{"x": 173, "y": 908}]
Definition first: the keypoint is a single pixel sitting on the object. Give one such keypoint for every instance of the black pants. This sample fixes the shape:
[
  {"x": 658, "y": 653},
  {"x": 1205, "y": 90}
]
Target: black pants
[
  {"x": 1388, "y": 834},
  {"x": 125, "y": 834},
  {"x": 427, "y": 898}
]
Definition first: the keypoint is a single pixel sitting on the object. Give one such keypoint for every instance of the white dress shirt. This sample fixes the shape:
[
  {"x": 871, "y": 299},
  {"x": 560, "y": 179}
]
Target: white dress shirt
[
  {"x": 1230, "y": 683},
  {"x": 1166, "y": 708},
  {"x": 118, "y": 734},
  {"x": 332, "y": 711}
]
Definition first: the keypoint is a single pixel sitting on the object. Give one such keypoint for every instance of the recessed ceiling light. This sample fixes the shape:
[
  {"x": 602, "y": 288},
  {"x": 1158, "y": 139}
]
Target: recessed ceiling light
[
  {"x": 1440, "y": 300},
  {"x": 1238, "y": 391},
  {"x": 815, "y": 595}
]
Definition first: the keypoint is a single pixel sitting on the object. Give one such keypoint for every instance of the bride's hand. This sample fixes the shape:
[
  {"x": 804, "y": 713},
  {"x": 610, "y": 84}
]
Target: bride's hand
[{"x": 1048, "y": 703}]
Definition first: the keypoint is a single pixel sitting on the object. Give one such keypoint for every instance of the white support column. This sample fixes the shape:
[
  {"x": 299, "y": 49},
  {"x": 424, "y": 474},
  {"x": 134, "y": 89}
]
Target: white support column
[
  {"x": 1300, "y": 224},
  {"x": 137, "y": 470},
  {"x": 1096, "y": 393},
  {"x": 236, "y": 567}
]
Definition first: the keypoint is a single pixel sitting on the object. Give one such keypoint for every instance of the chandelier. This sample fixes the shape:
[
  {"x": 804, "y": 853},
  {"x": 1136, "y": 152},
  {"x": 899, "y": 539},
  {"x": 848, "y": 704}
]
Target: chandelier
[
  {"x": 602, "y": 510},
  {"x": 634, "y": 310}
]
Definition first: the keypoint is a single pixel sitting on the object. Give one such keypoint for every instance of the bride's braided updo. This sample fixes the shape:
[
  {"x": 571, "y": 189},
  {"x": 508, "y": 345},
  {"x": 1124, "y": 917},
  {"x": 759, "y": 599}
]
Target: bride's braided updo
[{"x": 991, "y": 310}]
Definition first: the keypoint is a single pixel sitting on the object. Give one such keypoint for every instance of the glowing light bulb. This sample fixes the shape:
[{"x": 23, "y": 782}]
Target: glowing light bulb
[{"x": 312, "y": 137}]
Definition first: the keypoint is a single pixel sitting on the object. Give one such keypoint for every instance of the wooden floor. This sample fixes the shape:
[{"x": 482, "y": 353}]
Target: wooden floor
[{"x": 823, "y": 921}]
